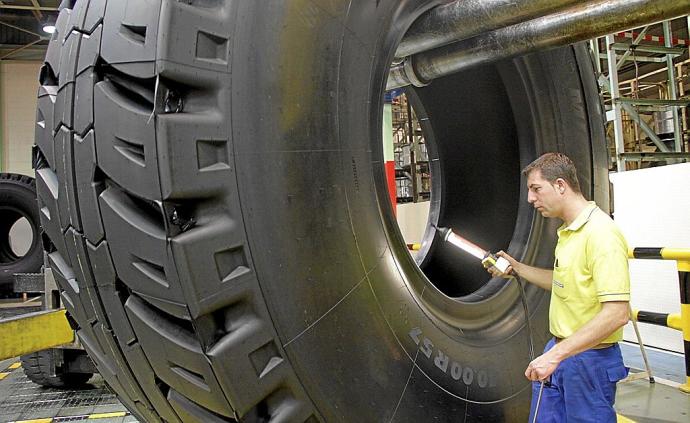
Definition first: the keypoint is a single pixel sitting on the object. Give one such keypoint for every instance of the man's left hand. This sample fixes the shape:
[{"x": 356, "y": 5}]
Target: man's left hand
[{"x": 542, "y": 367}]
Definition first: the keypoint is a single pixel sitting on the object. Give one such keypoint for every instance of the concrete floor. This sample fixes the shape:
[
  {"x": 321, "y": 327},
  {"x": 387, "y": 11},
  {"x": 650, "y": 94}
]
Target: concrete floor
[
  {"x": 22, "y": 400},
  {"x": 643, "y": 402}
]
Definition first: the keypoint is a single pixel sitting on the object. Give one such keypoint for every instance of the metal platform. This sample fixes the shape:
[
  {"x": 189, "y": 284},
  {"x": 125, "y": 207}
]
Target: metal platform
[{"x": 23, "y": 401}]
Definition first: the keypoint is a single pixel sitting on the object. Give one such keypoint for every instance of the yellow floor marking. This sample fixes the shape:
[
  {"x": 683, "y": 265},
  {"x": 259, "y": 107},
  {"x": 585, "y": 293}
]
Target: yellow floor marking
[
  {"x": 48, "y": 420},
  {"x": 623, "y": 419},
  {"x": 107, "y": 415},
  {"x": 15, "y": 365},
  {"x": 3, "y": 375}
]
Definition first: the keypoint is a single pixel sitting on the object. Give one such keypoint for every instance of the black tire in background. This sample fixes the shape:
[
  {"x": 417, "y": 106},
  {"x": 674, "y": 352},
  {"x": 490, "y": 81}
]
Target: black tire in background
[
  {"x": 216, "y": 197},
  {"x": 17, "y": 201},
  {"x": 40, "y": 367}
]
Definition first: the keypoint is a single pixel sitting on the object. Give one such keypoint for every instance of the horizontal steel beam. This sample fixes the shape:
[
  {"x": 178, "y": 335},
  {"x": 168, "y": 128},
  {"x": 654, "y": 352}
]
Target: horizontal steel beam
[
  {"x": 463, "y": 19},
  {"x": 644, "y": 48},
  {"x": 41, "y": 8},
  {"x": 653, "y": 102},
  {"x": 653, "y": 156},
  {"x": 584, "y": 21},
  {"x": 646, "y": 59}
]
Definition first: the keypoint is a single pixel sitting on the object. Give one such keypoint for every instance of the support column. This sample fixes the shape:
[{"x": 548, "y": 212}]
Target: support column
[
  {"x": 616, "y": 106},
  {"x": 672, "y": 91},
  {"x": 388, "y": 156}
]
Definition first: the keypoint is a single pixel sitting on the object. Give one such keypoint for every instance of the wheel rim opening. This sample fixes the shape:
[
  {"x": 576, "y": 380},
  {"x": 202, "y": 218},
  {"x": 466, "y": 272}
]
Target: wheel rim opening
[
  {"x": 467, "y": 124},
  {"x": 407, "y": 169},
  {"x": 21, "y": 237},
  {"x": 16, "y": 236}
]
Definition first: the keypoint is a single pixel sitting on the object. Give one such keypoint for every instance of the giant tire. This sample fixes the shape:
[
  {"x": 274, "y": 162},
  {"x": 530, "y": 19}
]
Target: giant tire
[
  {"x": 41, "y": 368},
  {"x": 17, "y": 201},
  {"x": 211, "y": 177}
]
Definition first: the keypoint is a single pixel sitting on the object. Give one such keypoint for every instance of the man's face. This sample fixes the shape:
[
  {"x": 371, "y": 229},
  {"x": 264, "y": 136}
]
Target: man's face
[{"x": 543, "y": 195}]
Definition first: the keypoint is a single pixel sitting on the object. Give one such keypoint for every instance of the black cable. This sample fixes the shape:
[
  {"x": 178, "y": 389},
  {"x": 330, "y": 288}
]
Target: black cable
[{"x": 523, "y": 296}]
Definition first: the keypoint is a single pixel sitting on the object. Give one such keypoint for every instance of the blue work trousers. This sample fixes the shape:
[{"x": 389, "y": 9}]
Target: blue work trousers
[{"x": 582, "y": 389}]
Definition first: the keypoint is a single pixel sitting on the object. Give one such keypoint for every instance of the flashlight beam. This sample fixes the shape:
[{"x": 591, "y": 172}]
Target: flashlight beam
[{"x": 466, "y": 245}]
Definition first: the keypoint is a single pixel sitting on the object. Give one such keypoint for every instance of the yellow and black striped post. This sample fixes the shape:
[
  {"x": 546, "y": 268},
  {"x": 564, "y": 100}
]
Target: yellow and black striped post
[
  {"x": 669, "y": 320},
  {"x": 682, "y": 256}
]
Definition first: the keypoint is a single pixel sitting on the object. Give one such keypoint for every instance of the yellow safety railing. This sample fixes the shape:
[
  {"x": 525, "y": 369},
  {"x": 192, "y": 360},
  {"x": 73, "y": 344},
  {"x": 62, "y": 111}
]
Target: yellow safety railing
[
  {"x": 680, "y": 321},
  {"x": 34, "y": 332}
]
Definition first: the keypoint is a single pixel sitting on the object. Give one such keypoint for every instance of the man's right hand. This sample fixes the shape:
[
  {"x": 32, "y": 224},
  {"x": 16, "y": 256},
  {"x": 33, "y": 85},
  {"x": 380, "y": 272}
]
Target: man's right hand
[
  {"x": 540, "y": 277},
  {"x": 512, "y": 268}
]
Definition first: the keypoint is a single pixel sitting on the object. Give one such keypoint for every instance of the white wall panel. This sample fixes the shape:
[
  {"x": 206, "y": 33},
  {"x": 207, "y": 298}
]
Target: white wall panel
[
  {"x": 18, "y": 88},
  {"x": 652, "y": 208}
]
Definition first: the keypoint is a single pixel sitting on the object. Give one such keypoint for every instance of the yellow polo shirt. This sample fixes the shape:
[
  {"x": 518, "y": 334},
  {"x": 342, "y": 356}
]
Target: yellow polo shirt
[{"x": 591, "y": 267}]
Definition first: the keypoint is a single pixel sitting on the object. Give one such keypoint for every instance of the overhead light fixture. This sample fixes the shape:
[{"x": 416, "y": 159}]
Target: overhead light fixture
[{"x": 49, "y": 28}]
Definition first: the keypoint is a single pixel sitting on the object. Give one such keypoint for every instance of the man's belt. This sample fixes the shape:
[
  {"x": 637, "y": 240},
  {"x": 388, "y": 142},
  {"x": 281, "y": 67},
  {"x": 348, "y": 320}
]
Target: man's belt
[{"x": 596, "y": 347}]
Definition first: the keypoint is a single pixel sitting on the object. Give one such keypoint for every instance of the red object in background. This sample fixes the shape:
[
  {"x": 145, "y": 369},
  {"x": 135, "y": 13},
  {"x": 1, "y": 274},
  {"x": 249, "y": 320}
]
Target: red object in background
[{"x": 392, "y": 190}]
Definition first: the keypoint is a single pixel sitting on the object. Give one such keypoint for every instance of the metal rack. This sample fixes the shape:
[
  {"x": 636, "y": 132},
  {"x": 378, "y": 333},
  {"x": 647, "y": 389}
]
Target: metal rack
[
  {"x": 648, "y": 118},
  {"x": 412, "y": 175}
]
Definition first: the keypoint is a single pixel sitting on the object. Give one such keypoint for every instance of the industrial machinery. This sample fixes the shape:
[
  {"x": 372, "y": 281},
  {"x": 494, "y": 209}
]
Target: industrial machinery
[{"x": 210, "y": 178}]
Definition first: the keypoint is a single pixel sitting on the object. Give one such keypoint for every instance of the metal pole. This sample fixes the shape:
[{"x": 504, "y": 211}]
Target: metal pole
[
  {"x": 616, "y": 107},
  {"x": 647, "y": 367},
  {"x": 413, "y": 158},
  {"x": 581, "y": 22},
  {"x": 672, "y": 91},
  {"x": 684, "y": 110},
  {"x": 685, "y": 320},
  {"x": 645, "y": 127},
  {"x": 594, "y": 45},
  {"x": 463, "y": 19},
  {"x": 636, "y": 41}
]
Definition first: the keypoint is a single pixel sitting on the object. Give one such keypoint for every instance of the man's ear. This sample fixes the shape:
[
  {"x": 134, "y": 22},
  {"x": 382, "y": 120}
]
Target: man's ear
[{"x": 561, "y": 185}]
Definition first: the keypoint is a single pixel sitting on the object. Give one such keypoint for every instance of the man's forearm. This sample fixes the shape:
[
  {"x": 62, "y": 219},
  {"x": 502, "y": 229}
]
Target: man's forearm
[
  {"x": 543, "y": 278},
  {"x": 612, "y": 316}
]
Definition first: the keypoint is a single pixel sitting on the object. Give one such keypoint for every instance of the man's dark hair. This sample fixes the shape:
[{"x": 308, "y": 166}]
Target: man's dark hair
[{"x": 553, "y": 166}]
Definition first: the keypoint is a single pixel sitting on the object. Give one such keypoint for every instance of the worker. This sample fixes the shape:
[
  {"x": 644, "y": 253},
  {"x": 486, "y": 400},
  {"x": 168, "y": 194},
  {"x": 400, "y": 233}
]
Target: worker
[{"x": 590, "y": 292}]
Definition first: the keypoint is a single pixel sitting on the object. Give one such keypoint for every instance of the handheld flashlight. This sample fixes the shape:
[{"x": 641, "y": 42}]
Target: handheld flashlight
[{"x": 487, "y": 258}]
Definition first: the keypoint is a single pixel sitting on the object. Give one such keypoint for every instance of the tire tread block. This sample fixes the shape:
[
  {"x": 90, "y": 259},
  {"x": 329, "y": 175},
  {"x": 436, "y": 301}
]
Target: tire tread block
[
  {"x": 45, "y": 123},
  {"x": 68, "y": 57},
  {"x": 78, "y": 15},
  {"x": 88, "y": 189},
  {"x": 193, "y": 412},
  {"x": 94, "y": 15},
  {"x": 64, "y": 166},
  {"x": 130, "y": 32},
  {"x": 90, "y": 49},
  {"x": 64, "y": 106},
  {"x": 47, "y": 190},
  {"x": 99, "y": 256},
  {"x": 55, "y": 44},
  {"x": 69, "y": 288},
  {"x": 126, "y": 141},
  {"x": 247, "y": 351},
  {"x": 176, "y": 357},
  {"x": 138, "y": 247},
  {"x": 205, "y": 45},
  {"x": 205, "y": 139},
  {"x": 109, "y": 373},
  {"x": 83, "y": 102},
  {"x": 212, "y": 264}
]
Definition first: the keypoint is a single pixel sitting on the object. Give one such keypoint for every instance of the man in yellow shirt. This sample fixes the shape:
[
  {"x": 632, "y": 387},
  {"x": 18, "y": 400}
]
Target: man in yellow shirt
[{"x": 590, "y": 290}]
